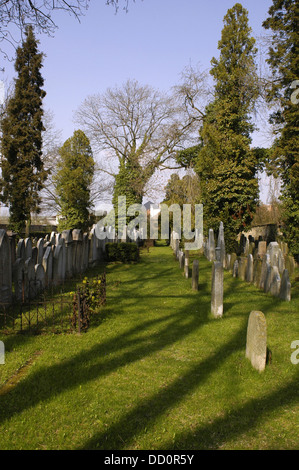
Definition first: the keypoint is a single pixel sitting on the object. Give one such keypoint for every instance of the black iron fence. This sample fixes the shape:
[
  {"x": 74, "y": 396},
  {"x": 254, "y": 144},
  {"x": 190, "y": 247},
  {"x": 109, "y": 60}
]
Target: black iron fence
[{"x": 64, "y": 308}]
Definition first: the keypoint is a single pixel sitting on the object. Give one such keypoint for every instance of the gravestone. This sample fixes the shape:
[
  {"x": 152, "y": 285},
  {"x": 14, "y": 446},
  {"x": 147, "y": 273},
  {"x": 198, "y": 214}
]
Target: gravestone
[
  {"x": 264, "y": 271},
  {"x": 195, "y": 274},
  {"x": 217, "y": 289},
  {"x": 211, "y": 245},
  {"x": 272, "y": 250},
  {"x": 28, "y": 248},
  {"x": 18, "y": 277},
  {"x": 285, "y": 286},
  {"x": 182, "y": 259},
  {"x": 186, "y": 266},
  {"x": 257, "y": 269},
  {"x": 5, "y": 269},
  {"x": 274, "y": 288},
  {"x": 236, "y": 268},
  {"x": 30, "y": 288},
  {"x": 242, "y": 268},
  {"x": 40, "y": 251},
  {"x": 13, "y": 247},
  {"x": 77, "y": 250},
  {"x": 21, "y": 249},
  {"x": 262, "y": 249},
  {"x": 66, "y": 235},
  {"x": 256, "y": 342},
  {"x": 232, "y": 261},
  {"x": 48, "y": 265},
  {"x": 249, "y": 268},
  {"x": 221, "y": 245},
  {"x": 85, "y": 252},
  {"x": 34, "y": 254},
  {"x": 40, "y": 278},
  {"x": 58, "y": 265}
]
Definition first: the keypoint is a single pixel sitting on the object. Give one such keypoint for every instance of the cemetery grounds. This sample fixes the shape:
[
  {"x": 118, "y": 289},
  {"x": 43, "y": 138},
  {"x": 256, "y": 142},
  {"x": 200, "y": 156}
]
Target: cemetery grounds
[{"x": 155, "y": 370}]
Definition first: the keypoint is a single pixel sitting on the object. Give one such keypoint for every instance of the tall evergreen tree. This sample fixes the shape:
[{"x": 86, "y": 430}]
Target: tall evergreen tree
[
  {"x": 23, "y": 174},
  {"x": 73, "y": 181},
  {"x": 226, "y": 166},
  {"x": 283, "y": 59}
]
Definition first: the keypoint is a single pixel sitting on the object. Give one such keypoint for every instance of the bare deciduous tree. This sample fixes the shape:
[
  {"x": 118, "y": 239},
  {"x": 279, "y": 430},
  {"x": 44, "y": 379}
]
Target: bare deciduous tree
[{"x": 136, "y": 125}]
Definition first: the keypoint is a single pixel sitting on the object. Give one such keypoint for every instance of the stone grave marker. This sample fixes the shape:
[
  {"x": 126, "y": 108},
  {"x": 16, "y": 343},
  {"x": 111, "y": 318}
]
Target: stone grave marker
[
  {"x": 217, "y": 289},
  {"x": 195, "y": 274},
  {"x": 256, "y": 342}
]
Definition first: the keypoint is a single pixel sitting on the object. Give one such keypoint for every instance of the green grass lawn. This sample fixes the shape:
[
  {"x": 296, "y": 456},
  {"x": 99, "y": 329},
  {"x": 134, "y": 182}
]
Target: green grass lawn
[{"x": 156, "y": 370}]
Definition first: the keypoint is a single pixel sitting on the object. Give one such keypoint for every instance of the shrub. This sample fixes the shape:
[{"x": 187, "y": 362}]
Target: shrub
[{"x": 125, "y": 252}]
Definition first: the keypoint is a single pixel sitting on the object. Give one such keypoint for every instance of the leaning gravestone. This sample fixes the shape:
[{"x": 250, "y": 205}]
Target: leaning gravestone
[
  {"x": 5, "y": 269},
  {"x": 217, "y": 290},
  {"x": 256, "y": 343}
]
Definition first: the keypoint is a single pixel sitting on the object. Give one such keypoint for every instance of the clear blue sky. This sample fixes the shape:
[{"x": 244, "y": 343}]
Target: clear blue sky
[{"x": 152, "y": 43}]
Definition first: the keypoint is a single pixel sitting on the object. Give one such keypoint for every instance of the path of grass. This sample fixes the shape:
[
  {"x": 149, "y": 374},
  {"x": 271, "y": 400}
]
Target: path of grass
[{"x": 158, "y": 372}]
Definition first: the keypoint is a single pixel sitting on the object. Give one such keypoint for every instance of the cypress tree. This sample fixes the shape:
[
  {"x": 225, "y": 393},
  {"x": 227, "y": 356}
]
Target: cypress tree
[
  {"x": 23, "y": 174},
  {"x": 226, "y": 165},
  {"x": 283, "y": 59},
  {"x": 73, "y": 181}
]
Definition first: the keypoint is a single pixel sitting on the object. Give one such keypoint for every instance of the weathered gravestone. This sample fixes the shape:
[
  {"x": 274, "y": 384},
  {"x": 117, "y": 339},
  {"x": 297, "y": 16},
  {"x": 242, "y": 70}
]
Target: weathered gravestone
[
  {"x": 274, "y": 288},
  {"x": 285, "y": 286},
  {"x": 217, "y": 289},
  {"x": 256, "y": 343},
  {"x": 195, "y": 274},
  {"x": 59, "y": 265},
  {"x": 5, "y": 269},
  {"x": 236, "y": 268}
]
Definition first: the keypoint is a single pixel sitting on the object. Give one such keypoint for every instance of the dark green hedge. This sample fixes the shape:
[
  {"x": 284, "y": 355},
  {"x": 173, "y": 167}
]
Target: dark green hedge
[{"x": 124, "y": 252}]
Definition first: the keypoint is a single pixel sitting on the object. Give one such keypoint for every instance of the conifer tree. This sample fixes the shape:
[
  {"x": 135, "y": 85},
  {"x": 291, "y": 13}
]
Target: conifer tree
[
  {"x": 73, "y": 181},
  {"x": 283, "y": 59},
  {"x": 226, "y": 166},
  {"x": 23, "y": 174}
]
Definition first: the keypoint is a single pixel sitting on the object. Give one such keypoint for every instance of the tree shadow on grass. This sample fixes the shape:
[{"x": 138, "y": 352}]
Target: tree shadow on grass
[{"x": 127, "y": 348}]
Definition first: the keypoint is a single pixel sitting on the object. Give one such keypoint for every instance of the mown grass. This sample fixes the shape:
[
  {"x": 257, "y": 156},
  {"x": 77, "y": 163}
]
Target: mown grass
[{"x": 156, "y": 370}]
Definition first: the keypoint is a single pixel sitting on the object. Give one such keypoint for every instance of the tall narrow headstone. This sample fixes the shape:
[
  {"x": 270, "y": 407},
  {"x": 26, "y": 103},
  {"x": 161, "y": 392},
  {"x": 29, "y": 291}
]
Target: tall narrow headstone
[
  {"x": 48, "y": 265},
  {"x": 18, "y": 277},
  {"x": 211, "y": 244},
  {"x": 195, "y": 274},
  {"x": 249, "y": 268},
  {"x": 256, "y": 343},
  {"x": 217, "y": 290}
]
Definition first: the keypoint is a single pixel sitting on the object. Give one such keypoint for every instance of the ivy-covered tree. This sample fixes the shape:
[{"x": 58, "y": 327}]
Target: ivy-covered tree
[
  {"x": 225, "y": 164},
  {"x": 75, "y": 171},
  {"x": 283, "y": 59},
  {"x": 23, "y": 174}
]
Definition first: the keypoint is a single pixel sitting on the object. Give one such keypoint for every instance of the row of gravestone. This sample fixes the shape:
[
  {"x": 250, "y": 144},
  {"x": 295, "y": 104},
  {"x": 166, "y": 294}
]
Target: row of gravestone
[
  {"x": 267, "y": 267},
  {"x": 27, "y": 268},
  {"x": 256, "y": 338}
]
